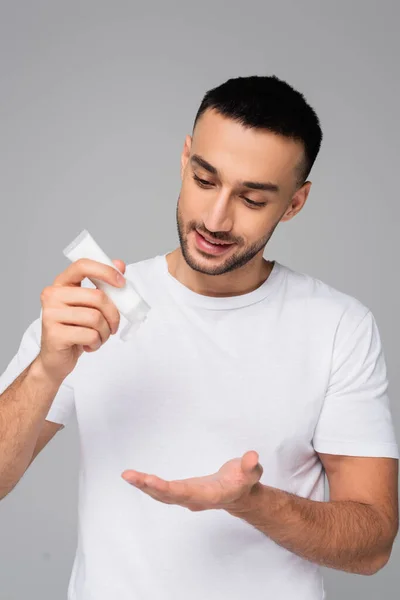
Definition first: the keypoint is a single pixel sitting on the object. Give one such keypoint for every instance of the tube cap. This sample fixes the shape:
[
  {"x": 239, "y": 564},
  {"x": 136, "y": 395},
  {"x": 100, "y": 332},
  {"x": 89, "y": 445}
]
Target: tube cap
[{"x": 135, "y": 318}]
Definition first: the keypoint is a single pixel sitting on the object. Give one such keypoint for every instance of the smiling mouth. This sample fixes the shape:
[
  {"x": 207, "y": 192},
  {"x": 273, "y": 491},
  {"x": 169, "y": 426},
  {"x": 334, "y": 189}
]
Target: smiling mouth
[
  {"x": 215, "y": 242},
  {"x": 216, "y": 248}
]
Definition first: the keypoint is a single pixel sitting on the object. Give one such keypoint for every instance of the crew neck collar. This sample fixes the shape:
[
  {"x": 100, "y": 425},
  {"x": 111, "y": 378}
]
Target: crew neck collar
[{"x": 189, "y": 297}]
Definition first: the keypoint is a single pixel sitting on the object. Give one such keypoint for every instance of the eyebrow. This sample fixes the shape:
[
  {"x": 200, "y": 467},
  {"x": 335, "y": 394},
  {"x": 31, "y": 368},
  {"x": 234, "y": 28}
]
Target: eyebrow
[{"x": 254, "y": 185}]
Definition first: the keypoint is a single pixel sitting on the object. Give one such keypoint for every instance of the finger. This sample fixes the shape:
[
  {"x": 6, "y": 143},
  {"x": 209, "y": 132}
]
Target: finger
[
  {"x": 154, "y": 486},
  {"x": 89, "y": 298},
  {"x": 82, "y": 317},
  {"x": 249, "y": 461},
  {"x": 144, "y": 480},
  {"x": 164, "y": 491},
  {"x": 76, "y": 272},
  {"x": 121, "y": 266},
  {"x": 181, "y": 491},
  {"x": 134, "y": 477},
  {"x": 65, "y": 335},
  {"x": 151, "y": 485}
]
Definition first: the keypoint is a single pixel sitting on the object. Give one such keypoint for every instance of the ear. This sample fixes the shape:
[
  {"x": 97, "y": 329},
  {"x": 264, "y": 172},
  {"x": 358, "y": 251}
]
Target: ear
[
  {"x": 297, "y": 202},
  {"x": 185, "y": 153}
]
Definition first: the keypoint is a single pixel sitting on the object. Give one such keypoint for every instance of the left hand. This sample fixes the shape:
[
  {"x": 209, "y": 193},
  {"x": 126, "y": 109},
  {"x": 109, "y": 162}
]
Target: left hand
[{"x": 228, "y": 488}]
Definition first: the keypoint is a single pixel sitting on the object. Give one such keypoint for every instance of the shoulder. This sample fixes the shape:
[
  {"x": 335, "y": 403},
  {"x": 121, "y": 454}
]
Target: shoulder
[
  {"x": 322, "y": 300},
  {"x": 146, "y": 276},
  {"x": 144, "y": 266}
]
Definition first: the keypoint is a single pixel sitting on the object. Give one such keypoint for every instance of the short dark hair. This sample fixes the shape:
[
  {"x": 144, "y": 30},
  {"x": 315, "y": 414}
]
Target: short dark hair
[{"x": 267, "y": 102}]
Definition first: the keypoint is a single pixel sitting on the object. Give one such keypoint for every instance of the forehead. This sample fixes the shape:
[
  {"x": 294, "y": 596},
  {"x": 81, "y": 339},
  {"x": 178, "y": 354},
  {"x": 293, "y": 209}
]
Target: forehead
[{"x": 244, "y": 152}]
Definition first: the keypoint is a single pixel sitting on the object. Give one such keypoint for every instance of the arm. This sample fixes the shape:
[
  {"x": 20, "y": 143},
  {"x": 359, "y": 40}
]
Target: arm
[
  {"x": 23, "y": 409},
  {"x": 74, "y": 319},
  {"x": 47, "y": 433},
  {"x": 352, "y": 532}
]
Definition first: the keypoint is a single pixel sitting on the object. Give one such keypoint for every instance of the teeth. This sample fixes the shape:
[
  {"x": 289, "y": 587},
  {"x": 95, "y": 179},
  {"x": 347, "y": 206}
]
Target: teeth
[{"x": 218, "y": 243}]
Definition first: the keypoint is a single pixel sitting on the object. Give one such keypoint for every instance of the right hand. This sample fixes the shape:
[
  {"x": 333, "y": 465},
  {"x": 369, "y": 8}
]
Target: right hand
[{"x": 76, "y": 319}]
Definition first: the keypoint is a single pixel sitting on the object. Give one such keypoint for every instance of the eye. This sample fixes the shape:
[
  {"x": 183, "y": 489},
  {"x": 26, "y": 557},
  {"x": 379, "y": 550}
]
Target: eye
[
  {"x": 206, "y": 184},
  {"x": 253, "y": 204},
  {"x": 201, "y": 182}
]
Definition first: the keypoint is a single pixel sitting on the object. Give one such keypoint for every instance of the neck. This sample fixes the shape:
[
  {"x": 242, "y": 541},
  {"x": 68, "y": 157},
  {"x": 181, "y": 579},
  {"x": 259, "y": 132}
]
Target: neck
[{"x": 243, "y": 280}]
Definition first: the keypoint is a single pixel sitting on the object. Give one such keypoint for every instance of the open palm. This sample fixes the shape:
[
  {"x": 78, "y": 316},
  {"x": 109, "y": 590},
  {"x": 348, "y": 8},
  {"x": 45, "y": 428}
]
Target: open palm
[{"x": 224, "y": 489}]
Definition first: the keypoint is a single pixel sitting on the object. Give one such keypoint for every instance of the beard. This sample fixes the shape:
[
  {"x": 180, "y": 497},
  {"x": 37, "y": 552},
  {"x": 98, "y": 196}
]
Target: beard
[{"x": 237, "y": 259}]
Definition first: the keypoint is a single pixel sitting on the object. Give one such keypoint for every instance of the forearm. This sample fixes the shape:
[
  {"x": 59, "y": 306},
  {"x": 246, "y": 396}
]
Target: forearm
[
  {"x": 346, "y": 535},
  {"x": 23, "y": 409}
]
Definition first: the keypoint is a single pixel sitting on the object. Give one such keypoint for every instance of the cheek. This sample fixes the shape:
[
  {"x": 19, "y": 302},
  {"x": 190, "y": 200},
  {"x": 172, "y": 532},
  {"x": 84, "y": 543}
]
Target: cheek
[
  {"x": 253, "y": 228},
  {"x": 191, "y": 201},
  {"x": 188, "y": 215},
  {"x": 188, "y": 184}
]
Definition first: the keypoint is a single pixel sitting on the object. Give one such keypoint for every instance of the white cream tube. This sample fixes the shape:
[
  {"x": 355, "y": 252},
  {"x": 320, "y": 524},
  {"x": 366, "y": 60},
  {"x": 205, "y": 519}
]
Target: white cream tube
[{"x": 129, "y": 303}]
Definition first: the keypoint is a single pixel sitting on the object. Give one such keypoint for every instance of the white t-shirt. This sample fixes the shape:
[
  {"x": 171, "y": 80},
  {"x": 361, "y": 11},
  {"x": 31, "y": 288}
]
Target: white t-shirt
[{"x": 292, "y": 368}]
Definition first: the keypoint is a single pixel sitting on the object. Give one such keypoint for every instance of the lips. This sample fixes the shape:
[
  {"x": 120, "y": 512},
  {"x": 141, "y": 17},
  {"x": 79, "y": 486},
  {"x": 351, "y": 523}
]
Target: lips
[
  {"x": 215, "y": 242},
  {"x": 211, "y": 248}
]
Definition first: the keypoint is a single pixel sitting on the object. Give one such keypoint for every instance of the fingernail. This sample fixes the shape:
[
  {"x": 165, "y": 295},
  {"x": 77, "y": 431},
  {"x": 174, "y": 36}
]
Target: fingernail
[{"x": 120, "y": 279}]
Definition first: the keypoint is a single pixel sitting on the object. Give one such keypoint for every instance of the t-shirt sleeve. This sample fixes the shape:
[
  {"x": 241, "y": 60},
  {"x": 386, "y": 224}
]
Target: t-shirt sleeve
[
  {"x": 356, "y": 418},
  {"x": 63, "y": 405}
]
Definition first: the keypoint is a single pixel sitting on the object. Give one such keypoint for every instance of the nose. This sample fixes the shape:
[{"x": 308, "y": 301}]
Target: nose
[{"x": 218, "y": 215}]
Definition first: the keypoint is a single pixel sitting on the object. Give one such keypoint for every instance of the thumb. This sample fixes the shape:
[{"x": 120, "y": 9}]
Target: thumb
[
  {"x": 121, "y": 266},
  {"x": 250, "y": 464}
]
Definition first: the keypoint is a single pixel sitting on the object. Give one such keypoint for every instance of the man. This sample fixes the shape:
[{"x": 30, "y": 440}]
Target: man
[{"x": 205, "y": 439}]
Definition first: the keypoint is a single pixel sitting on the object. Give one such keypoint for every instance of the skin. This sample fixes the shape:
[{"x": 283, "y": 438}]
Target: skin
[
  {"x": 220, "y": 210},
  {"x": 229, "y": 488}
]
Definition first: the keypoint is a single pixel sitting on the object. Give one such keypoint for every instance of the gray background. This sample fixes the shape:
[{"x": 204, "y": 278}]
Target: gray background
[{"x": 96, "y": 99}]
